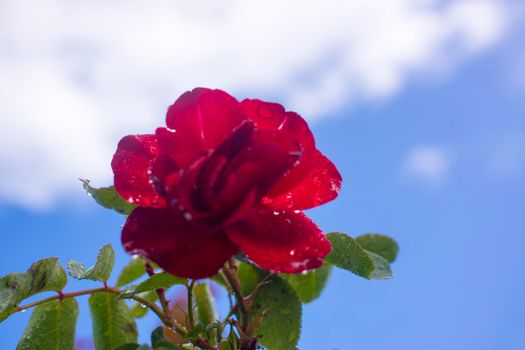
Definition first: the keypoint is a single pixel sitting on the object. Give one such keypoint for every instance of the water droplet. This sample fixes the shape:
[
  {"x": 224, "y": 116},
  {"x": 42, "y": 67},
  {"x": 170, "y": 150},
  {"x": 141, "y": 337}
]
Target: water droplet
[
  {"x": 305, "y": 272},
  {"x": 187, "y": 216},
  {"x": 23, "y": 310},
  {"x": 143, "y": 306},
  {"x": 292, "y": 252},
  {"x": 275, "y": 213},
  {"x": 296, "y": 211},
  {"x": 288, "y": 221},
  {"x": 171, "y": 130}
]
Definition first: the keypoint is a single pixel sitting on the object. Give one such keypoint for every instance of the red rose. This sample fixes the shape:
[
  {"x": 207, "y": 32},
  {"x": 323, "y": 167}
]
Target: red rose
[{"x": 225, "y": 177}]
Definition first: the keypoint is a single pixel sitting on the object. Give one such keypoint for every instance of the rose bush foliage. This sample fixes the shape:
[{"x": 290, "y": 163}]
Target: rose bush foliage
[
  {"x": 225, "y": 177},
  {"x": 219, "y": 192}
]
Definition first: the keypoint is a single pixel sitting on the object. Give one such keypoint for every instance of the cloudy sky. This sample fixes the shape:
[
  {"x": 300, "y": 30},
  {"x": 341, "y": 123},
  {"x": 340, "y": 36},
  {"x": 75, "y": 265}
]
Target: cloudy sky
[
  {"x": 77, "y": 75},
  {"x": 420, "y": 103}
]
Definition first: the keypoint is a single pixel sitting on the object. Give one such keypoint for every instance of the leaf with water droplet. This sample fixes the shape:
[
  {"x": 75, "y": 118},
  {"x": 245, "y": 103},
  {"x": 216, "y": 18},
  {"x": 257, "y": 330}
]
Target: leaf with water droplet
[
  {"x": 51, "y": 326},
  {"x": 379, "y": 244},
  {"x": 113, "y": 323},
  {"x": 101, "y": 271},
  {"x": 44, "y": 275},
  {"x": 140, "y": 310},
  {"x": 349, "y": 255},
  {"x": 108, "y": 198},
  {"x": 281, "y": 325}
]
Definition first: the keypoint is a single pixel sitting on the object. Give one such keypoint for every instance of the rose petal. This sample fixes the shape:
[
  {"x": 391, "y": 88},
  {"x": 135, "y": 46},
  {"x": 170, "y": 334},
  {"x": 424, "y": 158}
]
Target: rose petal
[
  {"x": 282, "y": 241},
  {"x": 320, "y": 185},
  {"x": 272, "y": 116},
  {"x": 131, "y": 164},
  {"x": 178, "y": 245},
  {"x": 201, "y": 120},
  {"x": 240, "y": 172}
]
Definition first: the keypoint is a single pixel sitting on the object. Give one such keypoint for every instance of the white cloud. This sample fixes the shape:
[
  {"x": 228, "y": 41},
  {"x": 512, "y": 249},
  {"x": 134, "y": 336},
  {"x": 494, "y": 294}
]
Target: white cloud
[
  {"x": 76, "y": 75},
  {"x": 429, "y": 164}
]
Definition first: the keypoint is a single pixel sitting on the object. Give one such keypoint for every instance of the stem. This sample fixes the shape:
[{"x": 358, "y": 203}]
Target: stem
[
  {"x": 191, "y": 320},
  {"x": 164, "y": 302},
  {"x": 151, "y": 305},
  {"x": 230, "y": 273}
]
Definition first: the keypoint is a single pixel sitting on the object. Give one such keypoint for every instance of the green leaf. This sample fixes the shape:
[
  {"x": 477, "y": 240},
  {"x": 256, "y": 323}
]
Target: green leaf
[
  {"x": 44, "y": 275},
  {"x": 379, "y": 244},
  {"x": 220, "y": 281},
  {"x": 280, "y": 327},
  {"x": 140, "y": 310},
  {"x": 161, "y": 280},
  {"x": 108, "y": 198},
  {"x": 196, "y": 331},
  {"x": 309, "y": 285},
  {"x": 133, "y": 346},
  {"x": 132, "y": 271},
  {"x": 382, "y": 269},
  {"x": 100, "y": 271},
  {"x": 157, "y": 335},
  {"x": 113, "y": 323},
  {"x": 349, "y": 255},
  {"x": 205, "y": 303},
  {"x": 206, "y": 309},
  {"x": 52, "y": 326}
]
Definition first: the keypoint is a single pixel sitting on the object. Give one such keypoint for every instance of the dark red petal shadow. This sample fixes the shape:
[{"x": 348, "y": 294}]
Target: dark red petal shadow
[
  {"x": 282, "y": 241},
  {"x": 176, "y": 244},
  {"x": 201, "y": 120},
  {"x": 272, "y": 116},
  {"x": 320, "y": 185},
  {"x": 131, "y": 163}
]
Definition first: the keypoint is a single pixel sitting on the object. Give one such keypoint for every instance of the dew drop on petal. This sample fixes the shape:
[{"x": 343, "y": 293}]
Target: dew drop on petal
[{"x": 187, "y": 216}]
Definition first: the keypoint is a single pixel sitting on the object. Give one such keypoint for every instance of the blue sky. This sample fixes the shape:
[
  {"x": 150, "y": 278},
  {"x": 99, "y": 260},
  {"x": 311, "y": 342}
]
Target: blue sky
[{"x": 431, "y": 154}]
